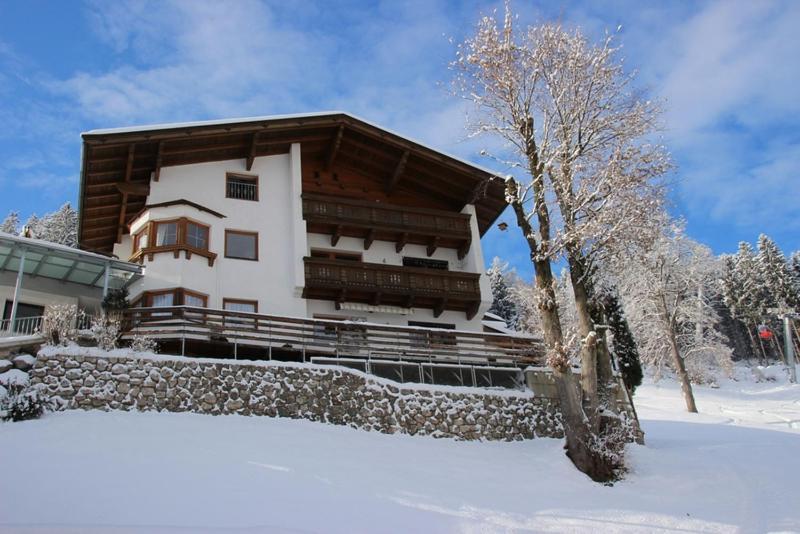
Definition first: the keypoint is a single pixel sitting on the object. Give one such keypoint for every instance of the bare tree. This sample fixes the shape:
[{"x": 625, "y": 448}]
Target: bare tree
[
  {"x": 664, "y": 290},
  {"x": 573, "y": 130}
]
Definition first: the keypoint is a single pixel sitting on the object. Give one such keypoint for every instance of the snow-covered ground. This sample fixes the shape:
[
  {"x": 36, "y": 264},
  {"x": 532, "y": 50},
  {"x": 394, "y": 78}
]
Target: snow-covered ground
[{"x": 733, "y": 468}]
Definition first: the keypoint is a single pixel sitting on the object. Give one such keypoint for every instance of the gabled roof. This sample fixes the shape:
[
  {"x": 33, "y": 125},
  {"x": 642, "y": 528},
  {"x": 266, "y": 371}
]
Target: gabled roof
[{"x": 117, "y": 163}]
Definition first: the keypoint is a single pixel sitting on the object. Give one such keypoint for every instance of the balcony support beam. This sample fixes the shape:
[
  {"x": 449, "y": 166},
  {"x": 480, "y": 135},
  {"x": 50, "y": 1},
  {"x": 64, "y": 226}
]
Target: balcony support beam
[
  {"x": 432, "y": 246},
  {"x": 369, "y": 239},
  {"x": 157, "y": 170},
  {"x": 438, "y": 308},
  {"x": 251, "y": 154},
  {"x": 337, "y": 234},
  {"x": 401, "y": 243},
  {"x": 472, "y": 309},
  {"x": 376, "y": 299},
  {"x": 463, "y": 249}
]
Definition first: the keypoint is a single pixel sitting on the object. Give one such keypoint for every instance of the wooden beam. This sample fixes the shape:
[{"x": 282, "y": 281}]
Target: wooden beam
[
  {"x": 134, "y": 188},
  {"x": 472, "y": 309},
  {"x": 251, "y": 154},
  {"x": 369, "y": 239},
  {"x": 401, "y": 243},
  {"x": 409, "y": 301},
  {"x": 432, "y": 246},
  {"x": 463, "y": 249},
  {"x": 337, "y": 233},
  {"x": 438, "y": 308},
  {"x": 334, "y": 150},
  {"x": 128, "y": 170},
  {"x": 376, "y": 299},
  {"x": 398, "y": 172},
  {"x": 340, "y": 299},
  {"x": 159, "y": 155}
]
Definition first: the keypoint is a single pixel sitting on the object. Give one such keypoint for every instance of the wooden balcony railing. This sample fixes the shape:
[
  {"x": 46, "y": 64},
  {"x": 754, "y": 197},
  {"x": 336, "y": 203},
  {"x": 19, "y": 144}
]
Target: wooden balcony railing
[
  {"x": 399, "y": 224},
  {"x": 376, "y": 283},
  {"x": 307, "y": 339}
]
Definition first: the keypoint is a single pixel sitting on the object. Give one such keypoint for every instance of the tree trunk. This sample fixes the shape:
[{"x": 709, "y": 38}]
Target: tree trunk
[
  {"x": 680, "y": 368},
  {"x": 577, "y": 431},
  {"x": 588, "y": 339}
]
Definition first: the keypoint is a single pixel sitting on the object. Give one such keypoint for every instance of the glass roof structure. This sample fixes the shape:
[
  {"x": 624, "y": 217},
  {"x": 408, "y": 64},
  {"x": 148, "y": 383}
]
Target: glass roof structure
[{"x": 64, "y": 263}]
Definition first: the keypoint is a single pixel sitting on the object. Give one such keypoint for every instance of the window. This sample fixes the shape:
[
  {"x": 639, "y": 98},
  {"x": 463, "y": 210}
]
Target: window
[
  {"x": 197, "y": 235},
  {"x": 432, "y": 337},
  {"x": 238, "y": 305},
  {"x": 171, "y": 297},
  {"x": 166, "y": 233},
  {"x": 140, "y": 240},
  {"x": 424, "y": 263},
  {"x": 194, "y": 299},
  {"x": 335, "y": 255},
  {"x": 162, "y": 300},
  {"x": 173, "y": 236},
  {"x": 241, "y": 245},
  {"x": 241, "y": 187}
]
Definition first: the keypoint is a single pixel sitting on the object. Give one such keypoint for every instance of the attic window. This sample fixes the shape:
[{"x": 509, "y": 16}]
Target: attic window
[{"x": 241, "y": 187}]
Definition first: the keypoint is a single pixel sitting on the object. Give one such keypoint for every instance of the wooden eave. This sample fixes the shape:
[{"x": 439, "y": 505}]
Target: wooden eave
[{"x": 117, "y": 167}]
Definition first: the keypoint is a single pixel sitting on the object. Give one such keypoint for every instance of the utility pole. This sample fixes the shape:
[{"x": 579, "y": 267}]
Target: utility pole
[{"x": 787, "y": 316}]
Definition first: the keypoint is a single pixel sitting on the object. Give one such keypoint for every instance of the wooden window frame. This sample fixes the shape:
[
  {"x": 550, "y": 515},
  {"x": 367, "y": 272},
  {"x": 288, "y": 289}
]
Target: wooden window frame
[
  {"x": 241, "y": 232},
  {"x": 179, "y": 246},
  {"x": 242, "y": 176},
  {"x": 355, "y": 257},
  {"x": 145, "y": 298},
  {"x": 240, "y": 301}
]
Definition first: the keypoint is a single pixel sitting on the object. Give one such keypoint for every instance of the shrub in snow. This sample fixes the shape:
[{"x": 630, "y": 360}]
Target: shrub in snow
[
  {"x": 106, "y": 331},
  {"x": 616, "y": 433},
  {"x": 14, "y": 377},
  {"x": 143, "y": 343},
  {"x": 59, "y": 323},
  {"x": 22, "y": 403}
]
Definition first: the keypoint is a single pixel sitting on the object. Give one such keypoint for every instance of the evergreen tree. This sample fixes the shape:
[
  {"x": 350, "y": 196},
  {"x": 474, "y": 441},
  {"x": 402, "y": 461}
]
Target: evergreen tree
[
  {"x": 10, "y": 224},
  {"x": 60, "y": 226},
  {"x": 623, "y": 344},
  {"x": 795, "y": 268},
  {"x": 502, "y": 302},
  {"x": 779, "y": 289}
]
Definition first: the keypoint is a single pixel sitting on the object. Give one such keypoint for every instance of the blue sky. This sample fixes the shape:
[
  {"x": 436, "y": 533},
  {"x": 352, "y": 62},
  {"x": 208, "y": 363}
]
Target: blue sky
[{"x": 728, "y": 71}]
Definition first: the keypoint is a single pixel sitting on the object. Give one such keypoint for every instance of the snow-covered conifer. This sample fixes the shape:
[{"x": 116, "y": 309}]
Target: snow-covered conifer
[
  {"x": 502, "y": 302},
  {"x": 10, "y": 224}
]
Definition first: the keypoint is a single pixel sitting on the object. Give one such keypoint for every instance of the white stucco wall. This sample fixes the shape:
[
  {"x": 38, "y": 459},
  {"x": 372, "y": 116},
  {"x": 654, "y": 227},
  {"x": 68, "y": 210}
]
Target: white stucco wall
[
  {"x": 276, "y": 280},
  {"x": 267, "y": 280}
]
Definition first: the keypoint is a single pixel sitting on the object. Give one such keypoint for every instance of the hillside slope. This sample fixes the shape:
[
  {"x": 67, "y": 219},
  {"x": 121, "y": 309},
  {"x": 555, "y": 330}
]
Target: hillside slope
[{"x": 732, "y": 468}]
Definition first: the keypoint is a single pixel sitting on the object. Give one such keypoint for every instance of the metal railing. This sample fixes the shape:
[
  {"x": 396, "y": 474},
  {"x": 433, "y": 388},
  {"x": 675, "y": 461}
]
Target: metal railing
[
  {"x": 308, "y": 338},
  {"x": 23, "y": 326},
  {"x": 242, "y": 190}
]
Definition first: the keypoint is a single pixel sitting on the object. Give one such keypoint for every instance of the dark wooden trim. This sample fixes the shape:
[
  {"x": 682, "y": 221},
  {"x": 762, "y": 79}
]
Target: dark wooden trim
[
  {"x": 398, "y": 172},
  {"x": 124, "y": 201},
  {"x": 179, "y": 202},
  {"x": 334, "y": 149},
  {"x": 159, "y": 156},
  {"x": 240, "y": 232},
  {"x": 251, "y": 154},
  {"x": 178, "y": 296},
  {"x": 226, "y": 300}
]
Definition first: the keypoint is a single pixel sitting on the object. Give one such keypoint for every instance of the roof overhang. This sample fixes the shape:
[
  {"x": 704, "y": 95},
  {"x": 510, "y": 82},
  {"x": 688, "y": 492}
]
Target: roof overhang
[
  {"x": 117, "y": 164},
  {"x": 66, "y": 264}
]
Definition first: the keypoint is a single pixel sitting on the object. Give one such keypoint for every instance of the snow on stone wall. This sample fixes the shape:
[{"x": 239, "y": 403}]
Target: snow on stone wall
[{"x": 276, "y": 389}]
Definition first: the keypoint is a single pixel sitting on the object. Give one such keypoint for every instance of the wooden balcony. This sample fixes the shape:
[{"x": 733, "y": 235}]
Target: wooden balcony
[
  {"x": 227, "y": 334},
  {"x": 399, "y": 224},
  {"x": 376, "y": 283}
]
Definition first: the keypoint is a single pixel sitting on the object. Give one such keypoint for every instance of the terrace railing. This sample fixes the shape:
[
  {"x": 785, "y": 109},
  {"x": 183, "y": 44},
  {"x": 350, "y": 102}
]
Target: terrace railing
[
  {"x": 23, "y": 326},
  {"x": 326, "y": 338}
]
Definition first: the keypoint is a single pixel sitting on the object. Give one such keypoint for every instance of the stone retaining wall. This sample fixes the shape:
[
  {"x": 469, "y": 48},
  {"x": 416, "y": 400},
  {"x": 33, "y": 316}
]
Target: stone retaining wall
[{"x": 278, "y": 389}]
